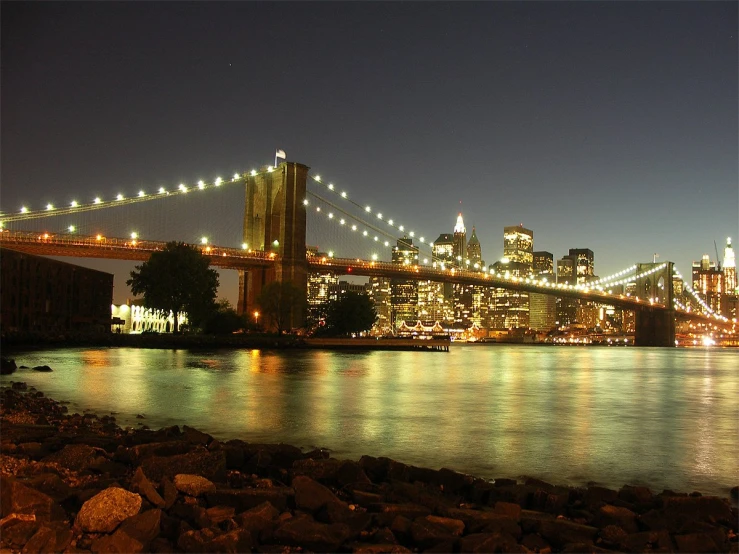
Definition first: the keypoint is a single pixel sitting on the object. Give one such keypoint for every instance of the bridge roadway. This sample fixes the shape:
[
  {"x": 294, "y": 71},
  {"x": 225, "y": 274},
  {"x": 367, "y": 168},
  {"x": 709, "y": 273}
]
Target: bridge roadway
[{"x": 234, "y": 258}]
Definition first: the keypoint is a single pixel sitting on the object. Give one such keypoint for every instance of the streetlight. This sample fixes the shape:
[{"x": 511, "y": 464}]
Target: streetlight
[{"x": 256, "y": 319}]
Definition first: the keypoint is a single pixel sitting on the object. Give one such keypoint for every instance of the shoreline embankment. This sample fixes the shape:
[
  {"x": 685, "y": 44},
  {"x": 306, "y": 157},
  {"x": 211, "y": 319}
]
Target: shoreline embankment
[{"x": 81, "y": 483}]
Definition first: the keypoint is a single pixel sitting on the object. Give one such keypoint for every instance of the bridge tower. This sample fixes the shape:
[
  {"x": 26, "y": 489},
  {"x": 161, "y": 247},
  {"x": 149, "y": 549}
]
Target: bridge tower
[
  {"x": 655, "y": 327},
  {"x": 274, "y": 220}
]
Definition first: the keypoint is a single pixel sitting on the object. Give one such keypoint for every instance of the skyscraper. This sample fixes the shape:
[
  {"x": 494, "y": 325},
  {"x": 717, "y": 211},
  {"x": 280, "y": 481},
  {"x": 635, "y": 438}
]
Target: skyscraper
[
  {"x": 474, "y": 250},
  {"x": 730, "y": 269},
  {"x": 542, "y": 307},
  {"x": 460, "y": 242},
  {"x": 404, "y": 292},
  {"x": 509, "y": 308},
  {"x": 518, "y": 245},
  {"x": 708, "y": 282}
]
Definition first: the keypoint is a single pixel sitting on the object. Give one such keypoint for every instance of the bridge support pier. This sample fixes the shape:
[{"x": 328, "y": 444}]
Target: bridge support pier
[
  {"x": 655, "y": 328},
  {"x": 275, "y": 221}
]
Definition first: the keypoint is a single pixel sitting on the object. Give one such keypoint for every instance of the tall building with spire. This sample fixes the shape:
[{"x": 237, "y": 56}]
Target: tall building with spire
[
  {"x": 474, "y": 250},
  {"x": 730, "y": 268},
  {"x": 460, "y": 242}
]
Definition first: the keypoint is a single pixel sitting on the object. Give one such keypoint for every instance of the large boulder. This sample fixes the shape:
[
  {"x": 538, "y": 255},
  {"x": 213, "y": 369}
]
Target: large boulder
[
  {"x": 17, "y": 498},
  {"x": 311, "y": 495},
  {"x": 7, "y": 366},
  {"x": 211, "y": 465},
  {"x": 304, "y": 531},
  {"x": 106, "y": 510},
  {"x": 76, "y": 457},
  {"x": 193, "y": 485}
]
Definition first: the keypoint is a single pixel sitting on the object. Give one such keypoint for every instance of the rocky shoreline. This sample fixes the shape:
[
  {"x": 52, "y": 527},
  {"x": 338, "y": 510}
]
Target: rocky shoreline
[{"x": 81, "y": 483}]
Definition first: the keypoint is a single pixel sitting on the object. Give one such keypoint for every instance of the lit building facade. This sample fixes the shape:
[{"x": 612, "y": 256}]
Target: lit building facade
[
  {"x": 543, "y": 307},
  {"x": 404, "y": 292},
  {"x": 378, "y": 289},
  {"x": 319, "y": 293},
  {"x": 460, "y": 242},
  {"x": 509, "y": 309},
  {"x": 134, "y": 319},
  {"x": 708, "y": 282},
  {"x": 730, "y": 301},
  {"x": 518, "y": 245}
]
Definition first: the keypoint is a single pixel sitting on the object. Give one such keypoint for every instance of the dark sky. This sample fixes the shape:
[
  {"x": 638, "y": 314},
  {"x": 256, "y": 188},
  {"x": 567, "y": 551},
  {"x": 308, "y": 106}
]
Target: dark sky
[{"x": 602, "y": 125}]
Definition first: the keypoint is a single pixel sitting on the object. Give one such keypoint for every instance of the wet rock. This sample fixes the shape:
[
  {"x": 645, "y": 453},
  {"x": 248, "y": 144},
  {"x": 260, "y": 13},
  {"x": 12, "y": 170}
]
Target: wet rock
[
  {"x": 696, "y": 542},
  {"x": 487, "y": 542},
  {"x": 485, "y": 521},
  {"x": 7, "y": 366},
  {"x": 454, "y": 526},
  {"x": 639, "y": 496},
  {"x": 194, "y": 485},
  {"x": 119, "y": 541},
  {"x": 169, "y": 493},
  {"x": 107, "y": 509},
  {"x": 143, "y": 527},
  {"x": 710, "y": 509},
  {"x": 597, "y": 496},
  {"x": 211, "y": 465},
  {"x": 426, "y": 533},
  {"x": 192, "y": 435},
  {"x": 17, "y": 498},
  {"x": 385, "y": 513},
  {"x": 612, "y": 515},
  {"x": 379, "y": 548},
  {"x": 50, "y": 484},
  {"x": 136, "y": 454},
  {"x": 142, "y": 485},
  {"x": 649, "y": 540},
  {"x": 53, "y": 538},
  {"x": 508, "y": 509},
  {"x": 42, "y": 368},
  {"x": 559, "y": 532},
  {"x": 17, "y": 529},
  {"x": 236, "y": 540},
  {"x": 304, "y": 531},
  {"x": 75, "y": 457},
  {"x": 351, "y": 473},
  {"x": 311, "y": 495},
  {"x": 244, "y": 499}
]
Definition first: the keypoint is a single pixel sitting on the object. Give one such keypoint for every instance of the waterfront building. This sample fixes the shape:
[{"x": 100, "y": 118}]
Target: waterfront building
[
  {"x": 378, "y": 289},
  {"x": 38, "y": 294},
  {"x": 543, "y": 307},
  {"x": 135, "y": 318},
  {"x": 509, "y": 309},
  {"x": 404, "y": 292},
  {"x": 576, "y": 268},
  {"x": 319, "y": 293}
]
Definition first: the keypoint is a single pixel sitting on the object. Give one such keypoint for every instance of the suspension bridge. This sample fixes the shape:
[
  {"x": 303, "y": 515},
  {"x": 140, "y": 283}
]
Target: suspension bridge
[{"x": 271, "y": 208}]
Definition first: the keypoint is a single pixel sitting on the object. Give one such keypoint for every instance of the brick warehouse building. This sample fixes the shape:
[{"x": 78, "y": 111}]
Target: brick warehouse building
[{"x": 43, "y": 295}]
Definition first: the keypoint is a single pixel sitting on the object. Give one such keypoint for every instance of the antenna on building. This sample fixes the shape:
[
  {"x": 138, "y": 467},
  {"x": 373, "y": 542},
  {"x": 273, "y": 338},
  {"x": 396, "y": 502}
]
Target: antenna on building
[{"x": 718, "y": 260}]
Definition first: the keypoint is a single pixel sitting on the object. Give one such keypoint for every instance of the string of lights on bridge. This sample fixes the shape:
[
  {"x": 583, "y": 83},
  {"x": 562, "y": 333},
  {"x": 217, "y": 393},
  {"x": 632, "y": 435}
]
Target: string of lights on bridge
[{"x": 698, "y": 298}]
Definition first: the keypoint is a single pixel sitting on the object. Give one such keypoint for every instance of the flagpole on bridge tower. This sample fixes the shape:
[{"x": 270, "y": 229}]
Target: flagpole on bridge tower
[{"x": 279, "y": 154}]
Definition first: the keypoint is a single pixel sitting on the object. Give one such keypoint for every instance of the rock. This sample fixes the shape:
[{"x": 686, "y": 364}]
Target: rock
[
  {"x": 304, "y": 531},
  {"x": 351, "y": 473},
  {"x": 385, "y": 513},
  {"x": 696, "y": 542},
  {"x": 136, "y": 454},
  {"x": 75, "y": 457},
  {"x": 169, "y": 493},
  {"x": 485, "y": 521},
  {"x": 311, "y": 495},
  {"x": 55, "y": 538},
  {"x": 7, "y": 366},
  {"x": 17, "y": 529},
  {"x": 17, "y": 498},
  {"x": 244, "y": 499},
  {"x": 106, "y": 510},
  {"x": 194, "y": 485},
  {"x": 612, "y": 515},
  {"x": 734, "y": 493},
  {"x": 710, "y": 509},
  {"x": 379, "y": 548},
  {"x": 141, "y": 485},
  {"x": 236, "y": 540},
  {"x": 143, "y": 527},
  {"x": 639, "y": 496},
  {"x": 211, "y": 465},
  {"x": 649, "y": 540},
  {"x": 487, "y": 542},
  {"x": 43, "y": 368},
  {"x": 51, "y": 484},
  {"x": 259, "y": 521},
  {"x": 454, "y": 526},
  {"x": 426, "y": 533},
  {"x": 117, "y": 542},
  {"x": 559, "y": 532},
  {"x": 508, "y": 509},
  {"x": 193, "y": 436},
  {"x": 597, "y": 496}
]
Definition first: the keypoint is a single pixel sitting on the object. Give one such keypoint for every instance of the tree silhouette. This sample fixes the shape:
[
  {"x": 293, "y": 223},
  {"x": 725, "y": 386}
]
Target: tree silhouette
[
  {"x": 177, "y": 279},
  {"x": 349, "y": 313},
  {"x": 278, "y": 301}
]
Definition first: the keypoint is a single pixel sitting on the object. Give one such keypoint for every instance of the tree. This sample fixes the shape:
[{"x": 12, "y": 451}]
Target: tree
[
  {"x": 223, "y": 320},
  {"x": 177, "y": 279},
  {"x": 278, "y": 301},
  {"x": 350, "y": 313}
]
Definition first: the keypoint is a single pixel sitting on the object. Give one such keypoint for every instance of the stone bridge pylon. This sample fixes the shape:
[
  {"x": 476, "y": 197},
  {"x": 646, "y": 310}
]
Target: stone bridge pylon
[
  {"x": 275, "y": 220},
  {"x": 655, "y": 327}
]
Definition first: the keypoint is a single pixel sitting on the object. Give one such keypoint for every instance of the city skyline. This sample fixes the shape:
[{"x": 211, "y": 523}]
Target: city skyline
[{"x": 608, "y": 126}]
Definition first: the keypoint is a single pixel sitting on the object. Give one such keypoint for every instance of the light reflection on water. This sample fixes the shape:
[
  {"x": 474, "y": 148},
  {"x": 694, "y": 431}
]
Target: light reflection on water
[{"x": 666, "y": 418}]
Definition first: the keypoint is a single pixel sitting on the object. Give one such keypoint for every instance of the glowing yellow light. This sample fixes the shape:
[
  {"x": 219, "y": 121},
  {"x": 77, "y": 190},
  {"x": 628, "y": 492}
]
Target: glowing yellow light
[
  {"x": 390, "y": 221},
  {"x": 379, "y": 216},
  {"x": 253, "y": 172},
  {"x": 201, "y": 185},
  {"x": 330, "y": 215},
  {"x": 162, "y": 190},
  {"x": 49, "y": 207},
  {"x": 305, "y": 202},
  {"x": 330, "y": 186},
  {"x": 270, "y": 168},
  {"x": 204, "y": 240},
  {"x": 99, "y": 237},
  {"x": 330, "y": 253},
  {"x": 367, "y": 209},
  {"x": 207, "y": 249},
  {"x": 141, "y": 194},
  {"x": 133, "y": 242},
  {"x": 46, "y": 235},
  {"x": 317, "y": 178},
  {"x": 244, "y": 245},
  {"x": 341, "y": 221},
  {"x": 343, "y": 194},
  {"x": 218, "y": 181},
  {"x": 400, "y": 228},
  {"x": 236, "y": 177},
  {"x": 119, "y": 197},
  {"x": 74, "y": 204},
  {"x": 134, "y": 235},
  {"x": 24, "y": 210}
]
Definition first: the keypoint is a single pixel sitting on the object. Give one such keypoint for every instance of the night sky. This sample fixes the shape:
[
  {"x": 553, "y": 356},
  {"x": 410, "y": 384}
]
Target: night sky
[{"x": 610, "y": 126}]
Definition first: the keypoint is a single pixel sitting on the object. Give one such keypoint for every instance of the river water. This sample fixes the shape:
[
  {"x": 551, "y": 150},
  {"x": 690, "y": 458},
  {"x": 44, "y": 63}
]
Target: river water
[{"x": 665, "y": 418}]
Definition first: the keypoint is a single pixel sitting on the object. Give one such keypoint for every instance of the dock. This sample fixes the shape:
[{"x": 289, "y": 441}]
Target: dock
[{"x": 382, "y": 343}]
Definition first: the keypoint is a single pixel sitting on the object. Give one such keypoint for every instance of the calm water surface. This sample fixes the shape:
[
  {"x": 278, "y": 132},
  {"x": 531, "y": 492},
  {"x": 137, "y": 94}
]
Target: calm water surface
[{"x": 666, "y": 418}]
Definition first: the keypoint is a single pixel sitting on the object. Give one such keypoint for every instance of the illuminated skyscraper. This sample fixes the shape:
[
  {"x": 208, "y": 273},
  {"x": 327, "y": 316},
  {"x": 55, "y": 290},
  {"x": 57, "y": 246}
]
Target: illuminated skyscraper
[
  {"x": 708, "y": 282},
  {"x": 460, "y": 242},
  {"x": 443, "y": 249},
  {"x": 730, "y": 269},
  {"x": 404, "y": 292},
  {"x": 378, "y": 289},
  {"x": 474, "y": 250},
  {"x": 518, "y": 245},
  {"x": 543, "y": 307}
]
